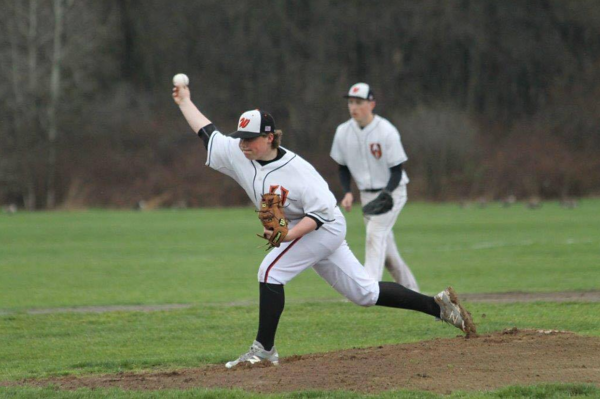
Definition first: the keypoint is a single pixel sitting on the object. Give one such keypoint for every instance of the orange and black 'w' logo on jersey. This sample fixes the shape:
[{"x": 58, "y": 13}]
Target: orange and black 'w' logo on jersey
[{"x": 282, "y": 192}]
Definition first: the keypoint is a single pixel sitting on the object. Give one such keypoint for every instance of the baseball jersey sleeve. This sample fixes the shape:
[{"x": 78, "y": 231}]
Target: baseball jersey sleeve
[
  {"x": 220, "y": 152},
  {"x": 395, "y": 154},
  {"x": 317, "y": 206},
  {"x": 336, "y": 149}
]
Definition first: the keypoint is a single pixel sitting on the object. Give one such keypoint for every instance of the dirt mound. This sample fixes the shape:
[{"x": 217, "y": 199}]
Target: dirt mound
[{"x": 510, "y": 357}]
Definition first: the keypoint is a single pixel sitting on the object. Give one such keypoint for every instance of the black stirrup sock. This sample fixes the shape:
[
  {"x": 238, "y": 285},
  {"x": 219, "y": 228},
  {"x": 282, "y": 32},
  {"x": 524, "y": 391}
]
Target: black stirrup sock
[
  {"x": 396, "y": 296},
  {"x": 272, "y": 301}
]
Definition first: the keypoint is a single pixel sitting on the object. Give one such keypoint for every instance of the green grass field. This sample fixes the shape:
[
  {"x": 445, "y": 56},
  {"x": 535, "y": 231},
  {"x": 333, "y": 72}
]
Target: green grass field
[{"x": 208, "y": 258}]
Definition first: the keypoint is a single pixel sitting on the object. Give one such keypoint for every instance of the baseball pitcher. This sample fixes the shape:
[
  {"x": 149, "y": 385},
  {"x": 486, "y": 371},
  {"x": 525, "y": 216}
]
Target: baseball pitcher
[{"x": 302, "y": 224}]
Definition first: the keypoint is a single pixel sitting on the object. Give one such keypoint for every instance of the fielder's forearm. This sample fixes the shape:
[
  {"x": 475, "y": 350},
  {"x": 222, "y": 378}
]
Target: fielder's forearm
[
  {"x": 345, "y": 176},
  {"x": 395, "y": 177},
  {"x": 305, "y": 226},
  {"x": 193, "y": 116}
]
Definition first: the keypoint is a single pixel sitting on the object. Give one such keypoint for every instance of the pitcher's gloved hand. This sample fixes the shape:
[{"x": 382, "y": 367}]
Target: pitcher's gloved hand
[{"x": 272, "y": 217}]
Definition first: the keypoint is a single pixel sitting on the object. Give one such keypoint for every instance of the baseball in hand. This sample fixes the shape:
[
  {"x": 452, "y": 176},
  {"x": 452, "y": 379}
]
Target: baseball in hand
[{"x": 181, "y": 79}]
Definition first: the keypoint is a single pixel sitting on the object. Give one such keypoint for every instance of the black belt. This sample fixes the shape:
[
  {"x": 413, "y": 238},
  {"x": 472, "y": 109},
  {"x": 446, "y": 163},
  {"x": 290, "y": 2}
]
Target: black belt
[{"x": 373, "y": 190}]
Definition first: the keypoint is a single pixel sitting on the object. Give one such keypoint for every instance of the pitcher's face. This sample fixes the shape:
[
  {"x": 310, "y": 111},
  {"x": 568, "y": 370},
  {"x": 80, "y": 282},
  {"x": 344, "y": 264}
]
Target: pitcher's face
[{"x": 257, "y": 147}]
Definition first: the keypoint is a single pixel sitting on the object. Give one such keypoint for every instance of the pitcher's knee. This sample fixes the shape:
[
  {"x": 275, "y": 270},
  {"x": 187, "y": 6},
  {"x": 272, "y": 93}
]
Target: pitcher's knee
[{"x": 365, "y": 298}]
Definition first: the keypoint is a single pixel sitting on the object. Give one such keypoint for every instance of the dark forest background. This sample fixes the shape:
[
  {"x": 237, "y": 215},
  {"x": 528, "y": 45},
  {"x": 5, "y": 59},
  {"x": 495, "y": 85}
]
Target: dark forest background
[{"x": 492, "y": 98}]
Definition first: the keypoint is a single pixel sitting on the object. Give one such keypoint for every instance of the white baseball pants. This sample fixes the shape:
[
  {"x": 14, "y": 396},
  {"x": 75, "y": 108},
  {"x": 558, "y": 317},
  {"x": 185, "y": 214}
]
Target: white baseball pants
[
  {"x": 381, "y": 246},
  {"x": 326, "y": 251}
]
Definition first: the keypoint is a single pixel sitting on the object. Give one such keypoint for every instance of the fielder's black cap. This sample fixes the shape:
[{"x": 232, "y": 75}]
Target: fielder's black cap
[
  {"x": 253, "y": 124},
  {"x": 362, "y": 91}
]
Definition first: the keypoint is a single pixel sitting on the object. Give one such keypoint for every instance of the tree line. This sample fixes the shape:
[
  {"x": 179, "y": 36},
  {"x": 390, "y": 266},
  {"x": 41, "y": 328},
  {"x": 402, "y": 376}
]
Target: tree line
[{"x": 491, "y": 98}]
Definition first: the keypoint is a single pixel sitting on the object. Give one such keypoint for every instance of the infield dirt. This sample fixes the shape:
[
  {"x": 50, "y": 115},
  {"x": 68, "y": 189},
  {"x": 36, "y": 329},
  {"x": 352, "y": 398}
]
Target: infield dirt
[{"x": 511, "y": 357}]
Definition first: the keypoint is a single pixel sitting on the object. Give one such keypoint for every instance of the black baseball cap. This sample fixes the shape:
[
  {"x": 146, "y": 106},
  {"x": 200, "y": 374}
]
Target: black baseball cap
[
  {"x": 253, "y": 124},
  {"x": 362, "y": 91}
]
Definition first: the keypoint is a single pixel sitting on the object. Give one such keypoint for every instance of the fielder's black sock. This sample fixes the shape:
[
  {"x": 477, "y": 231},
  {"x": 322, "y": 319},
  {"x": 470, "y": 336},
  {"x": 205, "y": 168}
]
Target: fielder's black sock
[
  {"x": 396, "y": 296},
  {"x": 272, "y": 301}
]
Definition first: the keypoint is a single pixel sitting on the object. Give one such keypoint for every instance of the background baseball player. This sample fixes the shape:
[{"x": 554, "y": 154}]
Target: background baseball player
[
  {"x": 317, "y": 228},
  {"x": 368, "y": 148}
]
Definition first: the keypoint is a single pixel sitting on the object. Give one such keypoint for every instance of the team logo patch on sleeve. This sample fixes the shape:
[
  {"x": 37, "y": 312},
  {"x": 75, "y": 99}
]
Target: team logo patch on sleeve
[{"x": 376, "y": 150}]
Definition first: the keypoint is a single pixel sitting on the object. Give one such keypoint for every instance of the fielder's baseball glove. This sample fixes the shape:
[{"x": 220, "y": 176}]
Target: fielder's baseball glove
[
  {"x": 272, "y": 217},
  {"x": 381, "y": 204}
]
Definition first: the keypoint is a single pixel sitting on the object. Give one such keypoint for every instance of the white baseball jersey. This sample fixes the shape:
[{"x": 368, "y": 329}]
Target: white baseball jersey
[
  {"x": 370, "y": 152},
  {"x": 305, "y": 193},
  {"x": 302, "y": 189}
]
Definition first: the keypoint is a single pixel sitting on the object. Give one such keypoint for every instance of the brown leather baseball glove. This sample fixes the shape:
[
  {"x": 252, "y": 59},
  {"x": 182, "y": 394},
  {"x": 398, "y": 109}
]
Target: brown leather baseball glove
[{"x": 272, "y": 217}]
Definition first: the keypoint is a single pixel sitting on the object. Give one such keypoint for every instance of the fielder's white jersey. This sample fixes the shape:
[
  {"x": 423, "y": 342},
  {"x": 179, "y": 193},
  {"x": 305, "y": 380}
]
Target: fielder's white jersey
[
  {"x": 370, "y": 152},
  {"x": 303, "y": 191}
]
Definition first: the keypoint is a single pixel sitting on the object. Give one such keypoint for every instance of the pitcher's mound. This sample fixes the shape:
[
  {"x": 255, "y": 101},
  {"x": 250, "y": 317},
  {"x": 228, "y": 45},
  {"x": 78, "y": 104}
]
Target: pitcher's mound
[{"x": 511, "y": 357}]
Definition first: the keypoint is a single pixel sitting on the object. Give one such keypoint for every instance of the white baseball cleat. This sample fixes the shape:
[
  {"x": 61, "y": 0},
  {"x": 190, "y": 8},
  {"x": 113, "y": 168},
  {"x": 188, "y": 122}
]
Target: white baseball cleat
[
  {"x": 452, "y": 312},
  {"x": 256, "y": 354}
]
